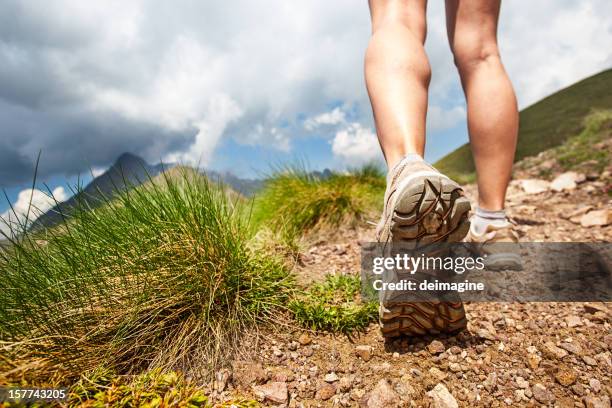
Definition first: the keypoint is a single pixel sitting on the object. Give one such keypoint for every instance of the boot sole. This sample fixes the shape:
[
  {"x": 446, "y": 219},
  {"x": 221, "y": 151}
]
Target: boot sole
[{"x": 430, "y": 209}]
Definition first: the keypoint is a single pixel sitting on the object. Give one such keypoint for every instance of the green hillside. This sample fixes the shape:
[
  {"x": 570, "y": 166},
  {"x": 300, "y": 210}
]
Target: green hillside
[{"x": 545, "y": 124}]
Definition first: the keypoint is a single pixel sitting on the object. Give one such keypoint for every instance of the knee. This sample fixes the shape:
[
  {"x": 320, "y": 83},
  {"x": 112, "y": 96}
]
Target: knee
[
  {"x": 473, "y": 53},
  {"x": 408, "y": 17}
]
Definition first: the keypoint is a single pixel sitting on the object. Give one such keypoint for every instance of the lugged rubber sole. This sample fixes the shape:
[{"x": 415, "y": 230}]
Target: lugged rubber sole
[
  {"x": 430, "y": 209},
  {"x": 418, "y": 319}
]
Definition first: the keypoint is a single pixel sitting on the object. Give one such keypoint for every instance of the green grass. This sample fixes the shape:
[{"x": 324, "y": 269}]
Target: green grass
[
  {"x": 584, "y": 147},
  {"x": 334, "y": 305},
  {"x": 544, "y": 125},
  {"x": 152, "y": 389},
  {"x": 159, "y": 277},
  {"x": 165, "y": 278},
  {"x": 296, "y": 202}
]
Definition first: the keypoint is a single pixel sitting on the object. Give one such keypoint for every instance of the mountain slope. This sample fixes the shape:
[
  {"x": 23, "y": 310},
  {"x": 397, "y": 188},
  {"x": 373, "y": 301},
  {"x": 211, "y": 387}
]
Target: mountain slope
[
  {"x": 545, "y": 124},
  {"x": 128, "y": 171}
]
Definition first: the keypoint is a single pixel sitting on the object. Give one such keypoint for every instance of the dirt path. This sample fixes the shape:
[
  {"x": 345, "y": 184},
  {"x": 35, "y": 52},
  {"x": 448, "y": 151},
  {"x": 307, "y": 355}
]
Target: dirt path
[{"x": 550, "y": 354}]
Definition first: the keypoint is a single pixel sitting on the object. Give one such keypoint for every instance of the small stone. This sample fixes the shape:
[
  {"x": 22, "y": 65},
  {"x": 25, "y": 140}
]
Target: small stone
[
  {"x": 541, "y": 394},
  {"x": 357, "y": 394},
  {"x": 519, "y": 395},
  {"x": 534, "y": 361},
  {"x": 307, "y": 352},
  {"x": 565, "y": 182},
  {"x": 598, "y": 218},
  {"x": 345, "y": 383},
  {"x": 437, "y": 374},
  {"x": 416, "y": 372},
  {"x": 566, "y": 377},
  {"x": 486, "y": 334},
  {"x": 331, "y": 377},
  {"x": 573, "y": 321},
  {"x": 595, "y": 385},
  {"x": 578, "y": 389},
  {"x": 577, "y": 212},
  {"x": 436, "y": 347},
  {"x": 273, "y": 391},
  {"x": 604, "y": 359},
  {"x": 382, "y": 396},
  {"x": 304, "y": 339},
  {"x": 534, "y": 186},
  {"x": 442, "y": 398},
  {"x": 455, "y": 367},
  {"x": 325, "y": 392},
  {"x": 553, "y": 351},
  {"x": 589, "y": 360},
  {"x": 521, "y": 382},
  {"x": 593, "y": 308},
  {"x": 246, "y": 374},
  {"x": 571, "y": 347},
  {"x": 455, "y": 350},
  {"x": 491, "y": 382},
  {"x": 597, "y": 402},
  {"x": 364, "y": 352},
  {"x": 292, "y": 346}
]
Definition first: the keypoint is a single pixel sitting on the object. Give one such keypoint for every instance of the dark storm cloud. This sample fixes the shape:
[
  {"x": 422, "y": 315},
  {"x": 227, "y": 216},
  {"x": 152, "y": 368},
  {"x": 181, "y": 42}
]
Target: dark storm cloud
[
  {"x": 84, "y": 81},
  {"x": 72, "y": 142}
]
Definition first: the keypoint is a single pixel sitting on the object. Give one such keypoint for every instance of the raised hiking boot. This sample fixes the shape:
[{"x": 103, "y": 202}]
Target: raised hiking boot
[
  {"x": 421, "y": 206},
  {"x": 498, "y": 245}
]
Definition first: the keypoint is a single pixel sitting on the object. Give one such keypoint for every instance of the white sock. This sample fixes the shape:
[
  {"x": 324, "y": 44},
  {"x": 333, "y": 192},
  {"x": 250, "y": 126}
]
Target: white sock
[
  {"x": 411, "y": 157},
  {"x": 483, "y": 218}
]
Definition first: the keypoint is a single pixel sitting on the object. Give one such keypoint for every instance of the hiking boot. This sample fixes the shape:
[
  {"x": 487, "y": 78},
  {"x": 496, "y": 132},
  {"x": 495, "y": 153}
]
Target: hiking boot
[
  {"x": 421, "y": 206},
  {"x": 498, "y": 244}
]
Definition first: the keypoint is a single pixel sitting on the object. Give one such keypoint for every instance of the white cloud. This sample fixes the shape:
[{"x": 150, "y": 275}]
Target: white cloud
[
  {"x": 98, "y": 171},
  {"x": 439, "y": 119},
  {"x": 555, "y": 44},
  {"x": 356, "y": 145},
  {"x": 213, "y": 70},
  {"x": 30, "y": 204},
  {"x": 278, "y": 139},
  {"x": 334, "y": 117}
]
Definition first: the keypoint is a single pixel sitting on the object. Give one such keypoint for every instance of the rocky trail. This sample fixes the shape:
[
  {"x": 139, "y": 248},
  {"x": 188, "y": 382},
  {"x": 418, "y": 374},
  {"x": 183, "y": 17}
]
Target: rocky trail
[{"x": 532, "y": 354}]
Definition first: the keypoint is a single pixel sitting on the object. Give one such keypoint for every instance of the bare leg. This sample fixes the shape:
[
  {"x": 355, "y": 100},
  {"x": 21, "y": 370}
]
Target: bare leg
[
  {"x": 397, "y": 76},
  {"x": 492, "y": 109}
]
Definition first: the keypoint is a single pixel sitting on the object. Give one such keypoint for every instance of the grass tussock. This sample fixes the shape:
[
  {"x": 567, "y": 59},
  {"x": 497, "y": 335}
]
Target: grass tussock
[
  {"x": 159, "y": 277},
  {"x": 296, "y": 202},
  {"x": 334, "y": 305}
]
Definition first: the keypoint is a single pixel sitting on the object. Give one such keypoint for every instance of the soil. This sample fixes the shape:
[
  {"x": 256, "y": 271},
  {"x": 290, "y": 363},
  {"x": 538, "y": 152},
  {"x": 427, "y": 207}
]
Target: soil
[{"x": 512, "y": 354}]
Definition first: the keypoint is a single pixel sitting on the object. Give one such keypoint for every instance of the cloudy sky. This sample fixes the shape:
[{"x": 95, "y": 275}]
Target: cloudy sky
[{"x": 237, "y": 85}]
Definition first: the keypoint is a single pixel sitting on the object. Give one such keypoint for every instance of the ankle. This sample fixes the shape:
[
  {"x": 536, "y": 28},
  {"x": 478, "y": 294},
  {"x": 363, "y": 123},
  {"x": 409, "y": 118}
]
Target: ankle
[
  {"x": 483, "y": 218},
  {"x": 410, "y": 157}
]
